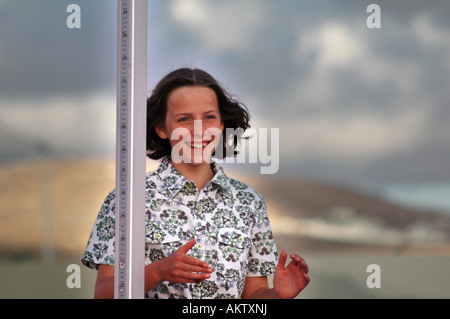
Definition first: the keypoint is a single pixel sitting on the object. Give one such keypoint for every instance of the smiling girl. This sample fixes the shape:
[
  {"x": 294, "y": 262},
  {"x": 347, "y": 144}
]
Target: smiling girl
[{"x": 207, "y": 235}]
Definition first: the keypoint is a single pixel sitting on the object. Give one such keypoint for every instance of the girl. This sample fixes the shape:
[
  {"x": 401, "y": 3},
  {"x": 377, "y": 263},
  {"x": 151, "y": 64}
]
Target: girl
[{"x": 207, "y": 235}]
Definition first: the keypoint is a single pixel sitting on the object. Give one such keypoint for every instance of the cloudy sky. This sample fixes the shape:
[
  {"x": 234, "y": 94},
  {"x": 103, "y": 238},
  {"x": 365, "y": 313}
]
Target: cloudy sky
[{"x": 352, "y": 104}]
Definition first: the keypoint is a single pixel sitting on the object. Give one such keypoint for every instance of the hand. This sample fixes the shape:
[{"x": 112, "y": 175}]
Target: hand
[
  {"x": 179, "y": 267},
  {"x": 290, "y": 281}
]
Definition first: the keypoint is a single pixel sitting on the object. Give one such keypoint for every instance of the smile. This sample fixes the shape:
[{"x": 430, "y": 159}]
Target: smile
[{"x": 198, "y": 146}]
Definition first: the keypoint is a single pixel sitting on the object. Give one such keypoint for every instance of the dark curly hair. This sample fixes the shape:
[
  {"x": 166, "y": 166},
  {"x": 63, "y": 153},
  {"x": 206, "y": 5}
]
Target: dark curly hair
[{"x": 234, "y": 115}]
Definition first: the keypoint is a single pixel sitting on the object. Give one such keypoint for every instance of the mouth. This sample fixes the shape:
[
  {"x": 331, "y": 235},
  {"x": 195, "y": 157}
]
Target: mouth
[{"x": 198, "y": 146}]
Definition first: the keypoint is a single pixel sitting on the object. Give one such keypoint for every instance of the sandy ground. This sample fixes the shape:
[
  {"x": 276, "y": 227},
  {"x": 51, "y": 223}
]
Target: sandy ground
[
  {"x": 332, "y": 277},
  {"x": 345, "y": 232},
  {"x": 343, "y": 273}
]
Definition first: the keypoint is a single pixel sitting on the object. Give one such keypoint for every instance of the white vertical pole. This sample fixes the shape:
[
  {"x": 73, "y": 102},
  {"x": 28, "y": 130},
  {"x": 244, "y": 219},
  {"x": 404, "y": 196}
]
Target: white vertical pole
[{"x": 130, "y": 153}]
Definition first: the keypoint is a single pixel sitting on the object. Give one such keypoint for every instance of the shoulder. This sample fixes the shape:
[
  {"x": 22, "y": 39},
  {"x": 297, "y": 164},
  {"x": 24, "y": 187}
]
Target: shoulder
[
  {"x": 246, "y": 194},
  {"x": 237, "y": 185},
  {"x": 108, "y": 204},
  {"x": 151, "y": 178}
]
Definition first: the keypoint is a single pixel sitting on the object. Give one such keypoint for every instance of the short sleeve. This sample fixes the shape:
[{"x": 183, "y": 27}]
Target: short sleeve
[
  {"x": 263, "y": 255},
  {"x": 100, "y": 246}
]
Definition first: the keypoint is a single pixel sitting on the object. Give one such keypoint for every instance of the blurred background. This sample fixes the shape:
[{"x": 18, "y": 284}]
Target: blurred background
[{"x": 363, "y": 116}]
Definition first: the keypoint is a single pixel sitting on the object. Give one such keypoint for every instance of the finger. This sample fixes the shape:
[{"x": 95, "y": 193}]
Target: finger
[
  {"x": 282, "y": 260},
  {"x": 193, "y": 277},
  {"x": 295, "y": 258},
  {"x": 186, "y": 247},
  {"x": 189, "y": 262},
  {"x": 305, "y": 266},
  {"x": 195, "y": 265},
  {"x": 306, "y": 277},
  {"x": 189, "y": 277},
  {"x": 300, "y": 262}
]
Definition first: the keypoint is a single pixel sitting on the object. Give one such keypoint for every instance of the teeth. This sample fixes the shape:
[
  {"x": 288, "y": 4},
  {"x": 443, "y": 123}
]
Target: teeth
[{"x": 199, "y": 145}]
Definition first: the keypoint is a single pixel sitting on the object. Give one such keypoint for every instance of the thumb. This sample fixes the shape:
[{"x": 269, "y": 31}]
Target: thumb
[
  {"x": 186, "y": 247},
  {"x": 282, "y": 260}
]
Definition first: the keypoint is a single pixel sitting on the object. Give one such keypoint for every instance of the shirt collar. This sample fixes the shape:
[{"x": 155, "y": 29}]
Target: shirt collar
[
  {"x": 220, "y": 178},
  {"x": 174, "y": 181}
]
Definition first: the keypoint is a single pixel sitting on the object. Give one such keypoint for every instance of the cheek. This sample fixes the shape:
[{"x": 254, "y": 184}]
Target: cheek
[
  {"x": 213, "y": 129},
  {"x": 179, "y": 133},
  {"x": 215, "y": 124}
]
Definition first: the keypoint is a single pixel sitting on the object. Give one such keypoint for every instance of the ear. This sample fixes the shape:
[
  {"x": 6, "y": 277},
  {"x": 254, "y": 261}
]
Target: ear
[{"x": 161, "y": 132}]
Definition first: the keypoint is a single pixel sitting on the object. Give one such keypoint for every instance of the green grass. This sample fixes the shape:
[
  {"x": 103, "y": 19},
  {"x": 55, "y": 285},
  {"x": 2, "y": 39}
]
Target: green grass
[
  {"x": 331, "y": 277},
  {"x": 34, "y": 280}
]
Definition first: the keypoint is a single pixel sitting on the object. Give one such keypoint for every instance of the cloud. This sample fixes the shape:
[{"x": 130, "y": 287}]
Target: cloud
[
  {"x": 40, "y": 55},
  {"x": 359, "y": 138},
  {"x": 359, "y": 99},
  {"x": 66, "y": 125},
  {"x": 338, "y": 91},
  {"x": 431, "y": 36},
  {"x": 221, "y": 25},
  {"x": 333, "y": 43},
  {"x": 342, "y": 94}
]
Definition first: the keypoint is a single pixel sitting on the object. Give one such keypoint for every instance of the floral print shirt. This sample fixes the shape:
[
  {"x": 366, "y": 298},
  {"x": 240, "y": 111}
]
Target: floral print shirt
[{"x": 227, "y": 218}]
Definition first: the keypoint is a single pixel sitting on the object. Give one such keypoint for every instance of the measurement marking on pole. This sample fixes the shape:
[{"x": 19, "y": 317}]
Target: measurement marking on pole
[
  {"x": 130, "y": 148},
  {"x": 124, "y": 74}
]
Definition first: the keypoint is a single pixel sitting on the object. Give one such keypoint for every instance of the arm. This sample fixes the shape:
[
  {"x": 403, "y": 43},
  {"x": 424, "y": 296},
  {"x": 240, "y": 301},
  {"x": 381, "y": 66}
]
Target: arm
[
  {"x": 288, "y": 282},
  {"x": 258, "y": 288},
  {"x": 178, "y": 267},
  {"x": 104, "y": 285}
]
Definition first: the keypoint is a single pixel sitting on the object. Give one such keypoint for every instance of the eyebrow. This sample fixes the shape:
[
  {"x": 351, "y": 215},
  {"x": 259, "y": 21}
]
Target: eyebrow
[{"x": 207, "y": 112}]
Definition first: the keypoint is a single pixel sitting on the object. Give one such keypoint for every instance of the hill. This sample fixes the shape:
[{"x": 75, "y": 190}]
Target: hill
[
  {"x": 326, "y": 217},
  {"x": 57, "y": 202}
]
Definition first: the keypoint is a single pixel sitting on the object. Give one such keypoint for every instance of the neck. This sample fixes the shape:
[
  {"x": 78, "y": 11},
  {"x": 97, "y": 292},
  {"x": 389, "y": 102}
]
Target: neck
[{"x": 200, "y": 174}]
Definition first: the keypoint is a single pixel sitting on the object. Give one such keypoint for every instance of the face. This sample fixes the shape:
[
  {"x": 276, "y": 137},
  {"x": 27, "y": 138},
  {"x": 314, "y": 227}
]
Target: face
[{"x": 193, "y": 124}]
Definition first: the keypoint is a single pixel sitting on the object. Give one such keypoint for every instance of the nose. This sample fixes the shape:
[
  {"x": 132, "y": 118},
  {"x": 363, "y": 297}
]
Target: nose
[{"x": 198, "y": 129}]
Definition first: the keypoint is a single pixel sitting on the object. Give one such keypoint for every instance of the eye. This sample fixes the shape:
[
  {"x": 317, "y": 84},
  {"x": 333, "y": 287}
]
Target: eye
[
  {"x": 183, "y": 119},
  {"x": 210, "y": 117}
]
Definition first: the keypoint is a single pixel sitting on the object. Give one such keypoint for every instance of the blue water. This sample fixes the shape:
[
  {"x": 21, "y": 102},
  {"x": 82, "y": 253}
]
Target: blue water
[{"x": 432, "y": 196}]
